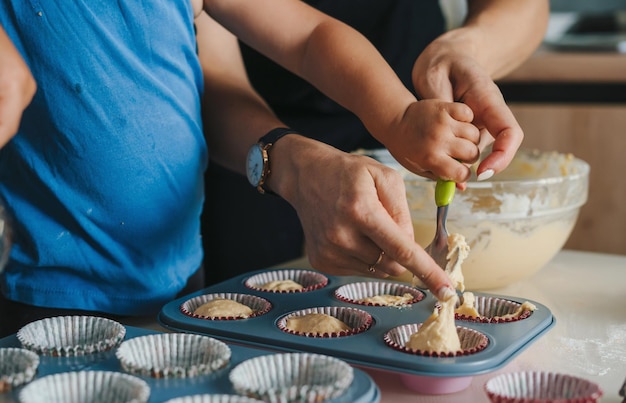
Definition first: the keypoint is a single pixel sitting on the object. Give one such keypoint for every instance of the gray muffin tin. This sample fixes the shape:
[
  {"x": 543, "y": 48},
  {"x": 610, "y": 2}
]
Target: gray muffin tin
[
  {"x": 368, "y": 348},
  {"x": 362, "y": 390}
]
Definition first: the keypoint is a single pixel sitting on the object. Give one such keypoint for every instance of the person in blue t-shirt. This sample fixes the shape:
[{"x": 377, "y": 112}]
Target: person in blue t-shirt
[
  {"x": 103, "y": 150},
  {"x": 459, "y": 64}
]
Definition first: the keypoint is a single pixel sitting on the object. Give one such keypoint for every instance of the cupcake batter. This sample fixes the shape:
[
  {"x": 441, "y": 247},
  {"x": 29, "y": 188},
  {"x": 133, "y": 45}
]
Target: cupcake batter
[
  {"x": 317, "y": 323},
  {"x": 458, "y": 250},
  {"x": 223, "y": 308},
  {"x": 281, "y": 285},
  {"x": 438, "y": 333},
  {"x": 468, "y": 308},
  {"x": 388, "y": 299}
]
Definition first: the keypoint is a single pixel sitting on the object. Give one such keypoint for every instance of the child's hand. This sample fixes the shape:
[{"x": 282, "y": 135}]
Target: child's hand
[{"x": 436, "y": 139}]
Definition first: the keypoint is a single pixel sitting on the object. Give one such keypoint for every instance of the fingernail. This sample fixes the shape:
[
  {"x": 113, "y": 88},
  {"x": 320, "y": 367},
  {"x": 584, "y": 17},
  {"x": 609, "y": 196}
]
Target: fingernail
[
  {"x": 445, "y": 293},
  {"x": 485, "y": 175}
]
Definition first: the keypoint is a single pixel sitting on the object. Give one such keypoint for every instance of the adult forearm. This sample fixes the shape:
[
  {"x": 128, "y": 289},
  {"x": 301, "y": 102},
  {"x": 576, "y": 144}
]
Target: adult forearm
[{"x": 502, "y": 33}]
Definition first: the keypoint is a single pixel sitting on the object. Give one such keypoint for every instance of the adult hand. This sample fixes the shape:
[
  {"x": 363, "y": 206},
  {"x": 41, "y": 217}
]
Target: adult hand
[
  {"x": 352, "y": 208},
  {"x": 447, "y": 70},
  {"x": 17, "y": 88}
]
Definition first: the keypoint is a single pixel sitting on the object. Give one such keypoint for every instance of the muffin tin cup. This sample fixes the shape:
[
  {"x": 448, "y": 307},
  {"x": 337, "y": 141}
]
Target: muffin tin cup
[
  {"x": 308, "y": 279},
  {"x": 18, "y": 366},
  {"x": 357, "y": 320},
  {"x": 358, "y": 293},
  {"x": 173, "y": 355},
  {"x": 86, "y": 386},
  {"x": 258, "y": 305},
  {"x": 541, "y": 387},
  {"x": 69, "y": 336},
  {"x": 472, "y": 341},
  {"x": 292, "y": 377},
  {"x": 494, "y": 310}
]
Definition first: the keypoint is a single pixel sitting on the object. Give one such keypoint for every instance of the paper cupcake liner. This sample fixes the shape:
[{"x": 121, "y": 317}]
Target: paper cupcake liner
[
  {"x": 17, "y": 367},
  {"x": 358, "y": 321},
  {"x": 260, "y": 306},
  {"x": 207, "y": 398},
  {"x": 173, "y": 355},
  {"x": 310, "y": 280},
  {"x": 492, "y": 310},
  {"x": 353, "y": 293},
  {"x": 69, "y": 336},
  {"x": 86, "y": 386},
  {"x": 292, "y": 377},
  {"x": 472, "y": 341},
  {"x": 539, "y": 386}
]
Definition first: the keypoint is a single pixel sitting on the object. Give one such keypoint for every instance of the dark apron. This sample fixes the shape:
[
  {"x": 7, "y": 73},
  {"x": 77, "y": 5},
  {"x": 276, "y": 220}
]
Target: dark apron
[{"x": 243, "y": 230}]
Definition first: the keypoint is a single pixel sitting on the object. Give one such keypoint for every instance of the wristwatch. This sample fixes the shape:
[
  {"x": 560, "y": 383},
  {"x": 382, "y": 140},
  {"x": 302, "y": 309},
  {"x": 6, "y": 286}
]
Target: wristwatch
[{"x": 258, "y": 163}]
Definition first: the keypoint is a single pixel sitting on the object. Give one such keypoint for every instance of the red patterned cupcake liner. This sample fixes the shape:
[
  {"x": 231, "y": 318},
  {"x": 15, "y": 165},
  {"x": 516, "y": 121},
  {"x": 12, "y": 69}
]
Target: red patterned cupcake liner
[
  {"x": 260, "y": 306},
  {"x": 309, "y": 279},
  {"x": 494, "y": 310},
  {"x": 354, "y": 293},
  {"x": 358, "y": 321},
  {"x": 472, "y": 341},
  {"x": 541, "y": 387}
]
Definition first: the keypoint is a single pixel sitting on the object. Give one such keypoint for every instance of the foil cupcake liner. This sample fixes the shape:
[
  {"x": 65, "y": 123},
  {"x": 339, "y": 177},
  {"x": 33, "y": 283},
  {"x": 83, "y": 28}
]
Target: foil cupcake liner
[
  {"x": 310, "y": 280},
  {"x": 260, "y": 306},
  {"x": 357, "y": 320},
  {"x": 472, "y": 341},
  {"x": 208, "y": 398},
  {"x": 354, "y": 292},
  {"x": 494, "y": 310},
  {"x": 18, "y": 366},
  {"x": 173, "y": 355},
  {"x": 292, "y": 377},
  {"x": 69, "y": 336},
  {"x": 86, "y": 386},
  {"x": 540, "y": 386}
]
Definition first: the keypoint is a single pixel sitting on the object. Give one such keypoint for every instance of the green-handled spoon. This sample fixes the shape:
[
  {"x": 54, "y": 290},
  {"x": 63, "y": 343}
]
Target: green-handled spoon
[{"x": 438, "y": 248}]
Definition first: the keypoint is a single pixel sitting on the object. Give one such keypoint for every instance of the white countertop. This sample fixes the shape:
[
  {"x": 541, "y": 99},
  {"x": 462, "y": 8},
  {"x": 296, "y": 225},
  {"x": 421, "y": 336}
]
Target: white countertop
[{"x": 586, "y": 293}]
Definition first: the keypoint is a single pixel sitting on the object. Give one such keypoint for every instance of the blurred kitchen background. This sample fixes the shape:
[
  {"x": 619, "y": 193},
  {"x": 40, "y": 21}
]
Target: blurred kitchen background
[{"x": 570, "y": 96}]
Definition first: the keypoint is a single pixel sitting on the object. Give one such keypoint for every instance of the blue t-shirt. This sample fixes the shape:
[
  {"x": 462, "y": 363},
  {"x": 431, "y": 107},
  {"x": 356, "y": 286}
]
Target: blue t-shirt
[{"x": 104, "y": 178}]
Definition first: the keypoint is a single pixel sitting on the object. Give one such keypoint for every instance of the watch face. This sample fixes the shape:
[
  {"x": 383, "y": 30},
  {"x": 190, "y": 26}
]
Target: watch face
[{"x": 254, "y": 165}]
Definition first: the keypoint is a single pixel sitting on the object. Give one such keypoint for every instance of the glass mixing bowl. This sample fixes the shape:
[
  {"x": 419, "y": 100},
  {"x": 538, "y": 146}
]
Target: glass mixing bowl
[{"x": 514, "y": 223}]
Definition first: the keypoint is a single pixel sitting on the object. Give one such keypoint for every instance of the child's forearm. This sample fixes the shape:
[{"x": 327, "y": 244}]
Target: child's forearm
[{"x": 332, "y": 56}]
